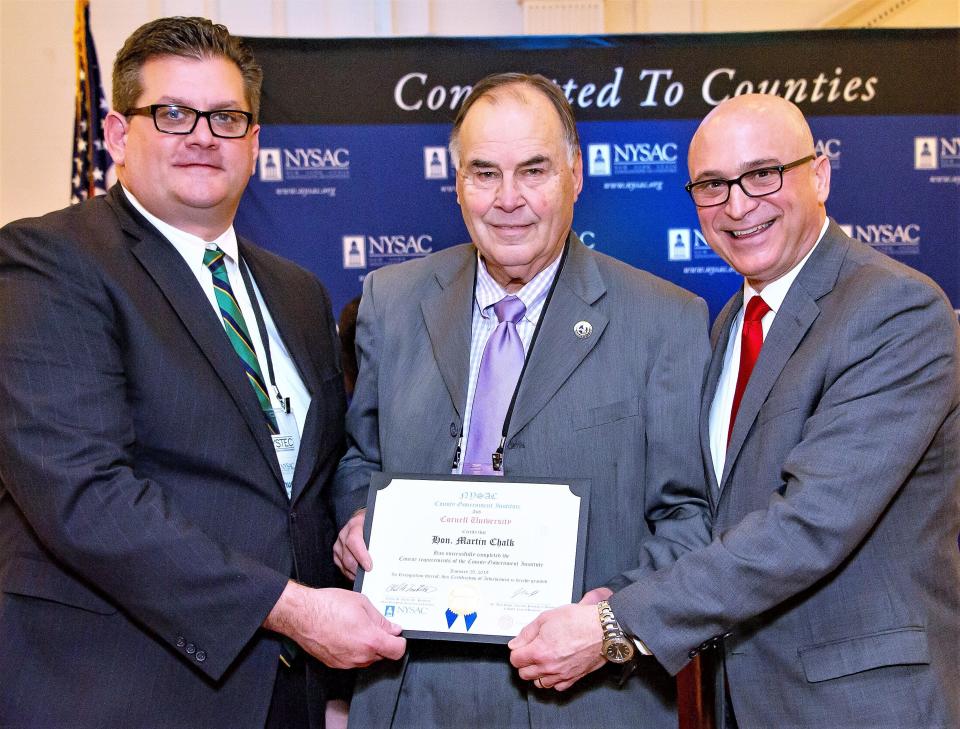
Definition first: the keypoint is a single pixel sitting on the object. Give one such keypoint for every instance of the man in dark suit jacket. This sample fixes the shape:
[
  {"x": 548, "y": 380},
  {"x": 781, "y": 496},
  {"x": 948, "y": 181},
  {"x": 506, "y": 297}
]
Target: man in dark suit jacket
[
  {"x": 831, "y": 590},
  {"x": 153, "y": 548},
  {"x": 611, "y": 393}
]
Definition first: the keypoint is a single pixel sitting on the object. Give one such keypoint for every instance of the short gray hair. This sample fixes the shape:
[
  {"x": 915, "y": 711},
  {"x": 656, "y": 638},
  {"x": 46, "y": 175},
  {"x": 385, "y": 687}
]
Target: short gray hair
[{"x": 489, "y": 86}]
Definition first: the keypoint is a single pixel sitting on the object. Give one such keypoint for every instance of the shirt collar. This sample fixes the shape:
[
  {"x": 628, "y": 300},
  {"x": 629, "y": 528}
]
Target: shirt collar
[
  {"x": 776, "y": 291},
  {"x": 488, "y": 292},
  {"x": 191, "y": 247}
]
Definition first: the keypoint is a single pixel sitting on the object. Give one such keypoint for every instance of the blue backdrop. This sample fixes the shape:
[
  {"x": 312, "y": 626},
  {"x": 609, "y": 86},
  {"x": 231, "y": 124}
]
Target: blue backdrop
[{"x": 353, "y": 172}]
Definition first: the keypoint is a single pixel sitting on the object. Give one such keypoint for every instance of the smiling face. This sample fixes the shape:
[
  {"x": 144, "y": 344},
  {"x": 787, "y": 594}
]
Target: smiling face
[
  {"x": 516, "y": 183},
  {"x": 192, "y": 181},
  {"x": 760, "y": 237}
]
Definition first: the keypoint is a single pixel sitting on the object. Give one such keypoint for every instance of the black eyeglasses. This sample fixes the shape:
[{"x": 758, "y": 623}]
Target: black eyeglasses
[
  {"x": 177, "y": 119},
  {"x": 755, "y": 183}
]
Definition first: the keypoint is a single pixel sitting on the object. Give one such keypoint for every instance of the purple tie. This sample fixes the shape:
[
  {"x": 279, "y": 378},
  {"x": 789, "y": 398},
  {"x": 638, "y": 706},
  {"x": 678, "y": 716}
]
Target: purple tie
[{"x": 499, "y": 372}]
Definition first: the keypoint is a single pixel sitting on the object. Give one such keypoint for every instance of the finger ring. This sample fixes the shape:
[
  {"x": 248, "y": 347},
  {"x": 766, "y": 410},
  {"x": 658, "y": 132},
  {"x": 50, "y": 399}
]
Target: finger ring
[{"x": 538, "y": 683}]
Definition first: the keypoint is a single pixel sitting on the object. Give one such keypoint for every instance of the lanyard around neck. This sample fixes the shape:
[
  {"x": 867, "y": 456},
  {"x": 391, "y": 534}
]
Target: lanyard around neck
[
  {"x": 284, "y": 402},
  {"x": 497, "y": 456}
]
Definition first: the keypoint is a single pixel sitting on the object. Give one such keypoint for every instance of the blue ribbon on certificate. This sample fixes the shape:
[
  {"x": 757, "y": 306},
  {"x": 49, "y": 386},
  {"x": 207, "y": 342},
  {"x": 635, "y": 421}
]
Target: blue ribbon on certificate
[{"x": 467, "y": 619}]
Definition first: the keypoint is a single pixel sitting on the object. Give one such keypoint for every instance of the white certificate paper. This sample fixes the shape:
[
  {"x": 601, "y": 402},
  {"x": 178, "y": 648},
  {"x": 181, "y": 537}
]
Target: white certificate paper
[{"x": 472, "y": 558}]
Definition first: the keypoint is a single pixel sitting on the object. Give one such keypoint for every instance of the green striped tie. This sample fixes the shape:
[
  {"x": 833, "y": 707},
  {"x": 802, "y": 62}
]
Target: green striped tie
[{"x": 237, "y": 332}]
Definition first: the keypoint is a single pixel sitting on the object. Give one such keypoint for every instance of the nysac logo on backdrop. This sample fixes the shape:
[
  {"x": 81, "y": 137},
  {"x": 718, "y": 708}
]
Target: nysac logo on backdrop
[
  {"x": 678, "y": 244},
  {"x": 640, "y": 158},
  {"x": 278, "y": 164},
  {"x": 887, "y": 237},
  {"x": 270, "y": 166},
  {"x": 598, "y": 158},
  {"x": 435, "y": 163},
  {"x": 829, "y": 148},
  {"x": 374, "y": 251},
  {"x": 684, "y": 244},
  {"x": 934, "y": 153}
]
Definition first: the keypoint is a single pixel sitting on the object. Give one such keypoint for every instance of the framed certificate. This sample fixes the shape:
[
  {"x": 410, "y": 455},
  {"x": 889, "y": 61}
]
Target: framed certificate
[{"x": 472, "y": 558}]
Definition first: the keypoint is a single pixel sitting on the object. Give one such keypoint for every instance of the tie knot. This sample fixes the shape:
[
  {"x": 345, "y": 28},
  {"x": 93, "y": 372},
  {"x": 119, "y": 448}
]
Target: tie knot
[
  {"x": 213, "y": 257},
  {"x": 509, "y": 308},
  {"x": 756, "y": 309}
]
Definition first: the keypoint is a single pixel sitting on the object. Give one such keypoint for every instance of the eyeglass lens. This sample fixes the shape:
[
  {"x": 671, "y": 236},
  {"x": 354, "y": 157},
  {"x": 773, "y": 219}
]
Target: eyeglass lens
[
  {"x": 756, "y": 183},
  {"x": 181, "y": 120}
]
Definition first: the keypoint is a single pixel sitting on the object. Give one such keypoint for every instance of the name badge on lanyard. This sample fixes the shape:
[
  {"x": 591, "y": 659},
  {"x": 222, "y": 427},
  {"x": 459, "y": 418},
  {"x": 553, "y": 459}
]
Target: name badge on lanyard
[{"x": 287, "y": 446}]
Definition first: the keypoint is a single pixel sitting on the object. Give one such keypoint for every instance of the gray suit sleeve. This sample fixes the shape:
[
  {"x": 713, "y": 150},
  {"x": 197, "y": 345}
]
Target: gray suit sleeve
[
  {"x": 890, "y": 378},
  {"x": 363, "y": 430}
]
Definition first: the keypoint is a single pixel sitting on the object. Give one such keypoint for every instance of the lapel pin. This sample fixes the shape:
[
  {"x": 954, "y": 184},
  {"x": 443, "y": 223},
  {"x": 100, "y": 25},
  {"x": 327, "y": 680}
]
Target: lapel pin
[{"x": 582, "y": 329}]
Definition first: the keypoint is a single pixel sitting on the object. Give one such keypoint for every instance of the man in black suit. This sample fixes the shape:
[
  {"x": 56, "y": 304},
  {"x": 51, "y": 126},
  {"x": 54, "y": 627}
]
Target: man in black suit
[{"x": 171, "y": 408}]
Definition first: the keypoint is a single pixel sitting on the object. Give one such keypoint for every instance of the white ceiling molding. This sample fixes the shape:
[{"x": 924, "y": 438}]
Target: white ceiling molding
[
  {"x": 278, "y": 18},
  {"x": 865, "y": 13},
  {"x": 562, "y": 17}
]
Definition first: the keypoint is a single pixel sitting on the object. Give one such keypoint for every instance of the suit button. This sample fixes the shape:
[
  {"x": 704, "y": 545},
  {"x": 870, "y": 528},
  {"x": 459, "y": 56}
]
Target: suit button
[
  {"x": 181, "y": 642},
  {"x": 692, "y": 654},
  {"x": 454, "y": 430},
  {"x": 191, "y": 648},
  {"x": 201, "y": 656}
]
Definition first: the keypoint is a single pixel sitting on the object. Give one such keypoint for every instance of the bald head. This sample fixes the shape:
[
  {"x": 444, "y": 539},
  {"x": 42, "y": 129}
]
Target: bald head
[
  {"x": 761, "y": 235},
  {"x": 760, "y": 116}
]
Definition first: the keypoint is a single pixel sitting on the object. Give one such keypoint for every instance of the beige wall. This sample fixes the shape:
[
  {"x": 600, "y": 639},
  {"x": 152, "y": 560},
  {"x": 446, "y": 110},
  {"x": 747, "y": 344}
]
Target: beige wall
[{"x": 37, "y": 72}]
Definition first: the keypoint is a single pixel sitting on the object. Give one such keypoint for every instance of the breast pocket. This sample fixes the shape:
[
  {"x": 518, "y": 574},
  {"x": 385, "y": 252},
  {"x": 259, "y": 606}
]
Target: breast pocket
[
  {"x": 777, "y": 406},
  {"x": 603, "y": 414}
]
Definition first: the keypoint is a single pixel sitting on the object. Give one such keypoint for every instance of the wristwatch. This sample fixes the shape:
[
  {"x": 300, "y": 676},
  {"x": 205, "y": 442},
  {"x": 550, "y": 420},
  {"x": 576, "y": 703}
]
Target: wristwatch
[{"x": 617, "y": 647}]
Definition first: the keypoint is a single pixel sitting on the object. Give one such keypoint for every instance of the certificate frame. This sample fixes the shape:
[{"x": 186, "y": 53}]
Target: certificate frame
[{"x": 577, "y": 487}]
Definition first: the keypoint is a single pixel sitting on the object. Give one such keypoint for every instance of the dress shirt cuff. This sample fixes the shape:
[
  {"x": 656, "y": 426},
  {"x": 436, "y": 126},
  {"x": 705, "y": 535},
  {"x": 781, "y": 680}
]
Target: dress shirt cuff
[{"x": 642, "y": 647}]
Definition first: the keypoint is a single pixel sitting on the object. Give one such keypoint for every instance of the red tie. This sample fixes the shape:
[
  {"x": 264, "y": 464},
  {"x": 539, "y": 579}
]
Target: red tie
[{"x": 751, "y": 340}]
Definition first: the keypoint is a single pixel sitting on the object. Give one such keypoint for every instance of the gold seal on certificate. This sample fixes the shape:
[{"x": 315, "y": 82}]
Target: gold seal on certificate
[{"x": 472, "y": 558}]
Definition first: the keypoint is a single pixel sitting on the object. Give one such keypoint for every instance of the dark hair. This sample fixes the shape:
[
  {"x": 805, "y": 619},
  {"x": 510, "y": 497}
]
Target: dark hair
[
  {"x": 491, "y": 84},
  {"x": 187, "y": 38}
]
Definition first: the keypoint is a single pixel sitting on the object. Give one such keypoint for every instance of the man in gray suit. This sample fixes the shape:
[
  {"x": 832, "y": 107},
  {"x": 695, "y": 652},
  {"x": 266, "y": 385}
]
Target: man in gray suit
[
  {"x": 610, "y": 393},
  {"x": 831, "y": 591}
]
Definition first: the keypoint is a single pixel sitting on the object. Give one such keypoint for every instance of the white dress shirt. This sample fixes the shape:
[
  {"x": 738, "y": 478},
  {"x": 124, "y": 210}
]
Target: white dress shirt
[
  {"x": 773, "y": 293},
  {"x": 193, "y": 248}
]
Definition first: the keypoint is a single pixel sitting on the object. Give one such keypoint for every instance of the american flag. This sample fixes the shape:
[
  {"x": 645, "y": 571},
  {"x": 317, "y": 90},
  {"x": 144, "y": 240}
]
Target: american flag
[{"x": 90, "y": 158}]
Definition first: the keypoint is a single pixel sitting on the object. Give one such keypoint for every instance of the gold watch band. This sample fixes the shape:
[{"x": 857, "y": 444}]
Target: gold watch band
[{"x": 617, "y": 647}]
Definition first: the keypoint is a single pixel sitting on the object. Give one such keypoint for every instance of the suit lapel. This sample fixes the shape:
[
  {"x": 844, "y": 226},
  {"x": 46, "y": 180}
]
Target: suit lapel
[
  {"x": 719, "y": 336},
  {"x": 797, "y": 313},
  {"x": 178, "y": 284},
  {"x": 285, "y": 311},
  {"x": 310, "y": 448},
  {"x": 448, "y": 316},
  {"x": 558, "y": 351}
]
